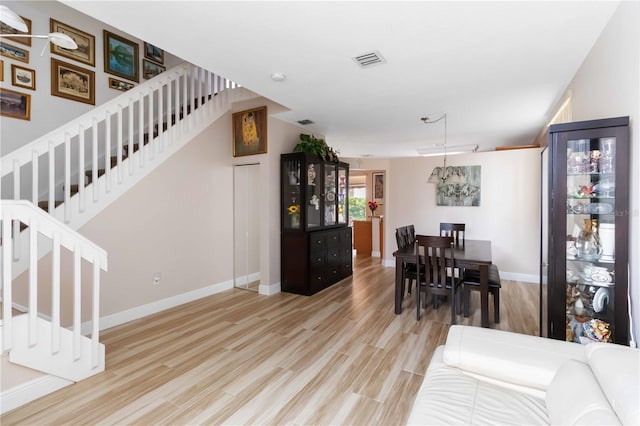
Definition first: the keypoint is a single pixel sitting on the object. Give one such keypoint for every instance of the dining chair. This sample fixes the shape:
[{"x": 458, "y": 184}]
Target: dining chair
[
  {"x": 471, "y": 281},
  {"x": 432, "y": 271},
  {"x": 454, "y": 230},
  {"x": 408, "y": 271}
]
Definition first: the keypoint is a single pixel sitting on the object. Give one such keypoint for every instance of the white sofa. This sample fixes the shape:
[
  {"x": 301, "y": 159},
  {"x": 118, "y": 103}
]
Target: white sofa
[{"x": 484, "y": 376}]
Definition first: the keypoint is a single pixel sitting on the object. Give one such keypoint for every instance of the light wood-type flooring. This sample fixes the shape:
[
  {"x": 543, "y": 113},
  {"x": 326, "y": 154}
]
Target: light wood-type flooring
[{"x": 339, "y": 357}]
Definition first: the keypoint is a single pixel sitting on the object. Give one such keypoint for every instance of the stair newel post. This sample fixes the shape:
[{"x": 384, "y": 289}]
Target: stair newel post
[
  {"x": 140, "y": 101},
  {"x": 130, "y": 143},
  {"x": 119, "y": 142},
  {"x": 107, "y": 149},
  {"x": 7, "y": 298},
  {"x": 95, "y": 315},
  {"x": 81, "y": 171},
  {"x": 52, "y": 176},
  {"x": 160, "y": 115},
  {"x": 34, "y": 176},
  {"x": 16, "y": 196},
  {"x": 55, "y": 293},
  {"x": 33, "y": 282},
  {"x": 94, "y": 151},
  {"x": 77, "y": 299},
  {"x": 67, "y": 176}
]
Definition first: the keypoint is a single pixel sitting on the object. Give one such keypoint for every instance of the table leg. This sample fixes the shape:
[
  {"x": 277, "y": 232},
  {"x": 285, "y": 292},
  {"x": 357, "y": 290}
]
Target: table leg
[
  {"x": 399, "y": 266},
  {"x": 484, "y": 295}
]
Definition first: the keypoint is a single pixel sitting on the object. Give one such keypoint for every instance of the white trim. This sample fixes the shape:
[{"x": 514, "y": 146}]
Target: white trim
[
  {"x": 269, "y": 289},
  {"x": 158, "y": 306},
  {"x": 246, "y": 279},
  {"x": 30, "y": 391},
  {"x": 515, "y": 276},
  {"x": 376, "y": 254}
]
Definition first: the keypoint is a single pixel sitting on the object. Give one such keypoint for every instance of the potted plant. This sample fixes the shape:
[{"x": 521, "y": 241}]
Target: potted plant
[{"x": 312, "y": 145}]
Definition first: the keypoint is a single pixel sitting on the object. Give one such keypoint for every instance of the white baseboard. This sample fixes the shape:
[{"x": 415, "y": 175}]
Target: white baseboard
[
  {"x": 158, "y": 306},
  {"x": 244, "y": 280},
  {"x": 269, "y": 289},
  {"x": 375, "y": 253},
  {"x": 30, "y": 391}
]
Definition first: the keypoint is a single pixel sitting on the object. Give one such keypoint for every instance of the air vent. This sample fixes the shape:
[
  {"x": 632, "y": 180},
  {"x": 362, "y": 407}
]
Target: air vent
[
  {"x": 305, "y": 122},
  {"x": 370, "y": 59}
]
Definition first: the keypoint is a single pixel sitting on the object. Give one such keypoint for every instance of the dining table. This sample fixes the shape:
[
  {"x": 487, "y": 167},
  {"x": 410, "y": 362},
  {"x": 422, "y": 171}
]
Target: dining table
[{"x": 471, "y": 254}]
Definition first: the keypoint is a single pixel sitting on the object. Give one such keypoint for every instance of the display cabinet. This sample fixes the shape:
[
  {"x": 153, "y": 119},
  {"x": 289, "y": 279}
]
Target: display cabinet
[
  {"x": 316, "y": 243},
  {"x": 587, "y": 231}
]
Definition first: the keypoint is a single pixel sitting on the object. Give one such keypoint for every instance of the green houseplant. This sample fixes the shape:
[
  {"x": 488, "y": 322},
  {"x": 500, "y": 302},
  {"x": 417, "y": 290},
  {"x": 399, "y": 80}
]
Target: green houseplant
[{"x": 312, "y": 145}]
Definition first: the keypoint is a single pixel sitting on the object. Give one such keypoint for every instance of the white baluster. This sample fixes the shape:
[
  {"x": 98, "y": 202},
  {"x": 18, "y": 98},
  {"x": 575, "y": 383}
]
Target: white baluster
[
  {"x": 95, "y": 342},
  {"x": 141, "y": 125},
  {"x": 107, "y": 149},
  {"x": 7, "y": 282},
  {"x": 16, "y": 179},
  {"x": 55, "y": 294},
  {"x": 119, "y": 147},
  {"x": 77, "y": 264},
  {"x": 169, "y": 115},
  {"x": 94, "y": 151},
  {"x": 192, "y": 96},
  {"x": 34, "y": 177},
  {"x": 33, "y": 283},
  {"x": 160, "y": 116},
  {"x": 176, "y": 100},
  {"x": 67, "y": 177},
  {"x": 81, "y": 171},
  {"x": 52, "y": 176},
  {"x": 185, "y": 103},
  {"x": 130, "y": 138}
]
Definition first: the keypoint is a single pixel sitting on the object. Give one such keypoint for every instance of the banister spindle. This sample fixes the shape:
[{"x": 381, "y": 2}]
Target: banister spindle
[
  {"x": 160, "y": 116},
  {"x": 176, "y": 101},
  {"x": 94, "y": 151},
  {"x": 32, "y": 316},
  {"x": 67, "y": 176},
  {"x": 34, "y": 176},
  {"x": 7, "y": 285},
  {"x": 169, "y": 115},
  {"x": 95, "y": 333},
  {"x": 185, "y": 102},
  {"x": 130, "y": 137},
  {"x": 119, "y": 142},
  {"x": 107, "y": 151},
  {"x": 81, "y": 170},
  {"x": 55, "y": 294},
  {"x": 141, "y": 123},
  {"x": 52, "y": 176},
  {"x": 77, "y": 300}
]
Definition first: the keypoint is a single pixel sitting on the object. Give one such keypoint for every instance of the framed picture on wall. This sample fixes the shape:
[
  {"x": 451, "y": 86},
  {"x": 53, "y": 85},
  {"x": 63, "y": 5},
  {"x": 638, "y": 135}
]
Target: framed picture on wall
[
  {"x": 86, "y": 51},
  {"x": 13, "y": 52},
  {"x": 153, "y": 53},
  {"x": 7, "y": 30},
  {"x": 15, "y": 104},
  {"x": 121, "y": 85},
  {"x": 250, "y": 132},
  {"x": 150, "y": 70},
  {"x": 23, "y": 77},
  {"x": 73, "y": 82},
  {"x": 121, "y": 57},
  {"x": 1, "y": 70},
  {"x": 378, "y": 187}
]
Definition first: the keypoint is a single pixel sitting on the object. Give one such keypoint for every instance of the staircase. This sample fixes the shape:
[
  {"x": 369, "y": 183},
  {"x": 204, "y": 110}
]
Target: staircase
[{"x": 57, "y": 183}]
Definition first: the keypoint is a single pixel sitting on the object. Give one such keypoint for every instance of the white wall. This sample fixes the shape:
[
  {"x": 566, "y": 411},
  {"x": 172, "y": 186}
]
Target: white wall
[
  {"x": 607, "y": 85},
  {"x": 49, "y": 112}
]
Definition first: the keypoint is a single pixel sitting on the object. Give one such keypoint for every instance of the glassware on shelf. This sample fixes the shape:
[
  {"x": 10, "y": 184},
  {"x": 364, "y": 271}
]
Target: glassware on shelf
[{"x": 588, "y": 242}]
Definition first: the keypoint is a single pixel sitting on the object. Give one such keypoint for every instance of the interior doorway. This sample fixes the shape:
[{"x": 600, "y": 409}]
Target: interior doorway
[{"x": 246, "y": 227}]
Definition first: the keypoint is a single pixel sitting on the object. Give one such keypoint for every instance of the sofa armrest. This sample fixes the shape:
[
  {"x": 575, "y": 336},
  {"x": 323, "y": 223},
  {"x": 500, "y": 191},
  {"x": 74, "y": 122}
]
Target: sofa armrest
[{"x": 517, "y": 359}]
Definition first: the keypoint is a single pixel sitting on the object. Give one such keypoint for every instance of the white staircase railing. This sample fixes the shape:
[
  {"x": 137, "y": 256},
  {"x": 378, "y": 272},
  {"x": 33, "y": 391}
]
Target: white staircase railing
[
  {"x": 78, "y": 169},
  {"x": 31, "y": 340}
]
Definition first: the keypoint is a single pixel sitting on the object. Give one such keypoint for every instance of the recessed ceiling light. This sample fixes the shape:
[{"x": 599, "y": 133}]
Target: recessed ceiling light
[{"x": 278, "y": 76}]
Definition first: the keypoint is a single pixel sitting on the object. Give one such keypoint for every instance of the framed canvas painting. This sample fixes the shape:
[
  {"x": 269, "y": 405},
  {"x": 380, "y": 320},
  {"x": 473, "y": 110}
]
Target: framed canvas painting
[
  {"x": 73, "y": 82},
  {"x": 250, "y": 132},
  {"x": 86, "y": 51},
  {"x": 15, "y": 104},
  {"x": 121, "y": 57},
  {"x": 150, "y": 70},
  {"x": 378, "y": 187},
  {"x": 153, "y": 53}
]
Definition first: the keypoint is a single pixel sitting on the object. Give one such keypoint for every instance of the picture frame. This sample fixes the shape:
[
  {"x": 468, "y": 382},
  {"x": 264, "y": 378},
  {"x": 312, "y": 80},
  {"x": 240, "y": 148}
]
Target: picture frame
[
  {"x": 1, "y": 70},
  {"x": 73, "y": 82},
  {"x": 378, "y": 187},
  {"x": 120, "y": 85},
  {"x": 150, "y": 69},
  {"x": 13, "y": 52},
  {"x": 6, "y": 29},
  {"x": 153, "y": 53},
  {"x": 121, "y": 57},
  {"x": 15, "y": 104},
  {"x": 86, "y": 51},
  {"x": 23, "y": 77},
  {"x": 250, "y": 132}
]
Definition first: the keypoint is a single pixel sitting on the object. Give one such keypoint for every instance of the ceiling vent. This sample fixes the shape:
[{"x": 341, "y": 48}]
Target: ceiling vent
[
  {"x": 305, "y": 122},
  {"x": 370, "y": 59}
]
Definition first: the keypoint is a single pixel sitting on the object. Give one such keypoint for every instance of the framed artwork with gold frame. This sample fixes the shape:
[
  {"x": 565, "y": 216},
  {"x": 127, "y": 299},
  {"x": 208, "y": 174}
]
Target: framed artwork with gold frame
[
  {"x": 86, "y": 51},
  {"x": 15, "y": 104},
  {"x": 73, "y": 82},
  {"x": 250, "y": 132},
  {"x": 121, "y": 57},
  {"x": 6, "y": 32},
  {"x": 23, "y": 77}
]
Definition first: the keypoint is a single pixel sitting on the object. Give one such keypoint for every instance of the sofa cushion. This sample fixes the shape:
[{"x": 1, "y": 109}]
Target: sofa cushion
[
  {"x": 449, "y": 396},
  {"x": 575, "y": 397},
  {"x": 617, "y": 369}
]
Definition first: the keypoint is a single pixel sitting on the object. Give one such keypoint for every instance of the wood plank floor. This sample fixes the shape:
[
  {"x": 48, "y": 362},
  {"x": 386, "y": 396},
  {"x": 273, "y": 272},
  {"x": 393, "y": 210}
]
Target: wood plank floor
[{"x": 339, "y": 357}]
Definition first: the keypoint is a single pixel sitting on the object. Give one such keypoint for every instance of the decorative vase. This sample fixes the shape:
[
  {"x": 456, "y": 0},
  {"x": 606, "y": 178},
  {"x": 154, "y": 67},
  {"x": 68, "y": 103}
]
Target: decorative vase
[{"x": 588, "y": 242}]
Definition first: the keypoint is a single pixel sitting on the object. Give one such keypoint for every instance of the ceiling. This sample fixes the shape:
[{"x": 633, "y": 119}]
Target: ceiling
[{"x": 497, "y": 69}]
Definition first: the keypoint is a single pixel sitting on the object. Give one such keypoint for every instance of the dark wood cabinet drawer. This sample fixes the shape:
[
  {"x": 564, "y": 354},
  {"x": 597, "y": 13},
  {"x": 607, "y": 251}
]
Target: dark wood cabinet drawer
[
  {"x": 333, "y": 239},
  {"x": 317, "y": 242},
  {"x": 317, "y": 260}
]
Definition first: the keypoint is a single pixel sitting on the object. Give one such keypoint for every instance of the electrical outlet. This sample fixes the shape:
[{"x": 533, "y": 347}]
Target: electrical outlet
[{"x": 156, "y": 278}]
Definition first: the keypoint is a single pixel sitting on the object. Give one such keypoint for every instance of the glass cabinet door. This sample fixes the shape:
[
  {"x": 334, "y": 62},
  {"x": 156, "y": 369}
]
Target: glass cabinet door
[
  {"x": 330, "y": 195},
  {"x": 313, "y": 194},
  {"x": 291, "y": 194},
  {"x": 342, "y": 195},
  {"x": 590, "y": 239}
]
